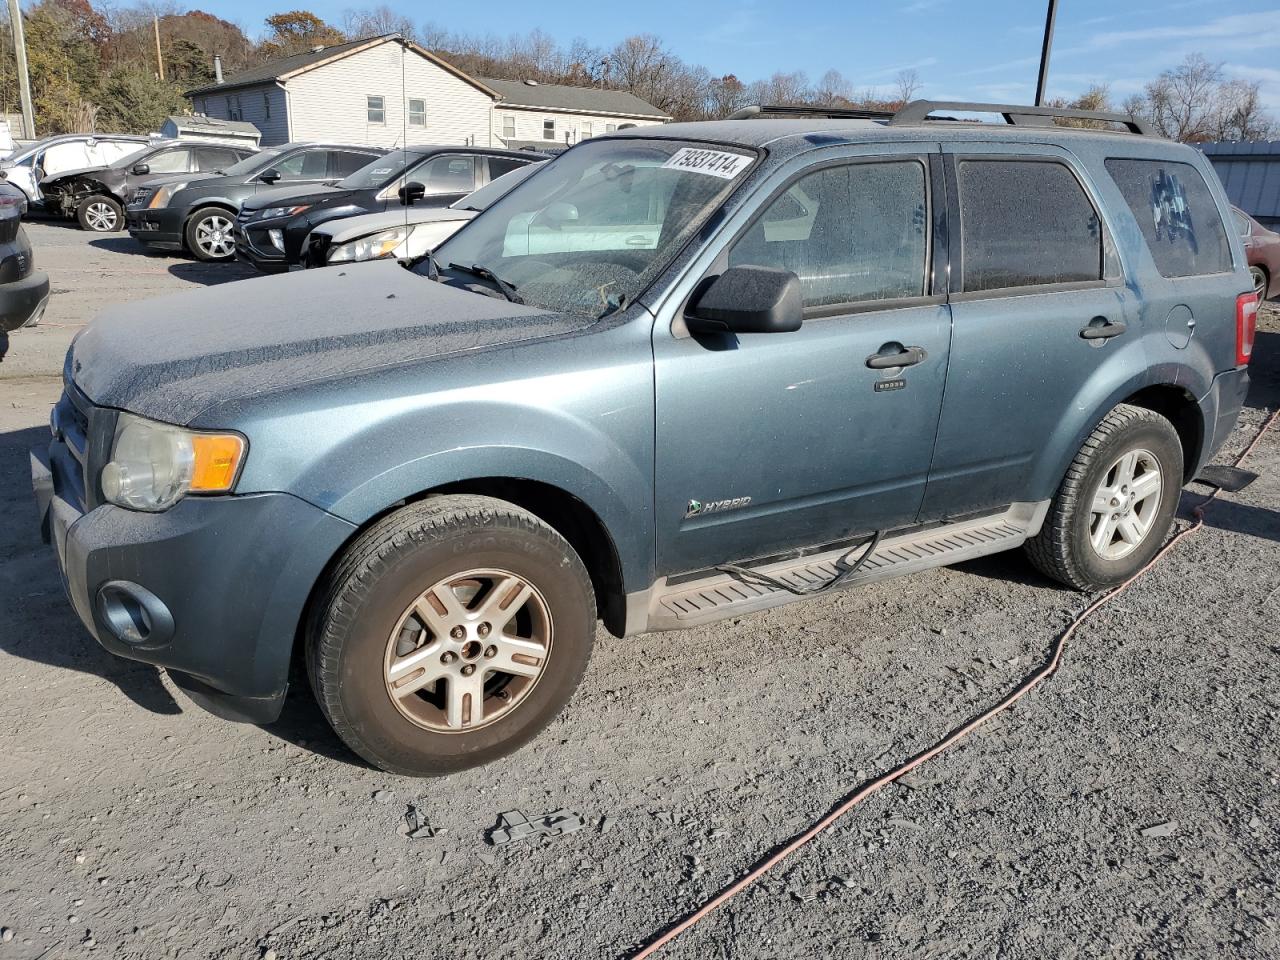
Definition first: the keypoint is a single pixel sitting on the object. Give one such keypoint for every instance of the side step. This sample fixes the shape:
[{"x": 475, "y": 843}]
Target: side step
[{"x": 720, "y": 595}]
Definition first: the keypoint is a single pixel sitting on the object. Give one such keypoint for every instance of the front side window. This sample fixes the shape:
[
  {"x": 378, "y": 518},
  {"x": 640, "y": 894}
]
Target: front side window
[
  {"x": 304, "y": 165},
  {"x": 376, "y": 108},
  {"x": 852, "y": 233},
  {"x": 446, "y": 175},
  {"x": 548, "y": 129},
  {"x": 508, "y": 127},
  {"x": 169, "y": 161},
  {"x": 417, "y": 113},
  {"x": 1177, "y": 214},
  {"x": 1025, "y": 223},
  {"x": 588, "y": 232}
]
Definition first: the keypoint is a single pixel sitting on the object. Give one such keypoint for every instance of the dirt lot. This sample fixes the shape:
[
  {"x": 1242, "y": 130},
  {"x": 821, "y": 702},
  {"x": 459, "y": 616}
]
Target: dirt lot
[{"x": 132, "y": 824}]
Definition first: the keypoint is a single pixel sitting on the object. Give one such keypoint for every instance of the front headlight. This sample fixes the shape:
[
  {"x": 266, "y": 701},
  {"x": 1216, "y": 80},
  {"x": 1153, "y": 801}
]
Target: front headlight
[
  {"x": 154, "y": 465},
  {"x": 270, "y": 213},
  {"x": 161, "y": 197},
  {"x": 387, "y": 243}
]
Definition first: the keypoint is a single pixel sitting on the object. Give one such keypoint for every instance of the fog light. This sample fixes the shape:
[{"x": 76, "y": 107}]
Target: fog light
[
  {"x": 133, "y": 614},
  {"x": 277, "y": 239}
]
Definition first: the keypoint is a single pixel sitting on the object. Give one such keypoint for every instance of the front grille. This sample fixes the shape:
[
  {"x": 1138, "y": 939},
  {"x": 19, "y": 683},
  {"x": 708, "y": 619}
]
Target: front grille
[
  {"x": 141, "y": 196},
  {"x": 87, "y": 431}
]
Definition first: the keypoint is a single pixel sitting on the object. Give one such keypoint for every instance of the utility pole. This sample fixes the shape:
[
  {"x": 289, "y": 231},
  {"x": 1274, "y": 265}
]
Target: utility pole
[
  {"x": 155, "y": 22},
  {"x": 1044, "y": 52},
  {"x": 24, "y": 79}
]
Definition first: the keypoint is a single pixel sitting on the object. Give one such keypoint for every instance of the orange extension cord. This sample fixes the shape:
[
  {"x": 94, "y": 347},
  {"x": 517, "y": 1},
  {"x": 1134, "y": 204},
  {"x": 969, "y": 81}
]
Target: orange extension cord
[{"x": 1018, "y": 692}]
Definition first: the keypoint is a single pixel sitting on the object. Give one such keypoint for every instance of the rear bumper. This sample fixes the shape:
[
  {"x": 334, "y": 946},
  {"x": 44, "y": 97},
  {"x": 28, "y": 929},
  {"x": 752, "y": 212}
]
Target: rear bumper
[
  {"x": 159, "y": 228},
  {"x": 22, "y": 302},
  {"x": 1221, "y": 408},
  {"x": 214, "y": 589}
]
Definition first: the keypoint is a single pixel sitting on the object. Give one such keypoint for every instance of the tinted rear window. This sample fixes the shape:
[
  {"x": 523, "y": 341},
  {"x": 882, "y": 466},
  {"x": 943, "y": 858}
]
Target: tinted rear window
[
  {"x": 1026, "y": 223},
  {"x": 1176, "y": 212}
]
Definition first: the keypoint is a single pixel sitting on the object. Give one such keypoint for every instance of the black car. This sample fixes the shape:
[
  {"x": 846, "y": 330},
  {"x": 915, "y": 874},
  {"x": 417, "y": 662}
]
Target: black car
[
  {"x": 96, "y": 196},
  {"x": 186, "y": 213},
  {"x": 24, "y": 291},
  {"x": 272, "y": 228}
]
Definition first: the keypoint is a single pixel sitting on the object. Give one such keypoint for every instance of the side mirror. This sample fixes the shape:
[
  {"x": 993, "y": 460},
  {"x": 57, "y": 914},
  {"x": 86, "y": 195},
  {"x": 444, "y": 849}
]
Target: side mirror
[
  {"x": 556, "y": 215},
  {"x": 748, "y": 299},
  {"x": 141, "y": 169},
  {"x": 411, "y": 192},
  {"x": 269, "y": 176}
]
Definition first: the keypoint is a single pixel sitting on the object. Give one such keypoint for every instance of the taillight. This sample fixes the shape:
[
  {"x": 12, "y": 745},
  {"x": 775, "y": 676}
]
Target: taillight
[{"x": 1246, "y": 326}]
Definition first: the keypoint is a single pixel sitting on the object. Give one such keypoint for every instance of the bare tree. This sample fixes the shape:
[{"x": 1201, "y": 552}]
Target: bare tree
[
  {"x": 725, "y": 95},
  {"x": 832, "y": 90},
  {"x": 906, "y": 85},
  {"x": 376, "y": 22}
]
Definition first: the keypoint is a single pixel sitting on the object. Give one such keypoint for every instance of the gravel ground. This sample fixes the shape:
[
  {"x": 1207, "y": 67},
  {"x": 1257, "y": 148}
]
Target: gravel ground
[{"x": 132, "y": 824}]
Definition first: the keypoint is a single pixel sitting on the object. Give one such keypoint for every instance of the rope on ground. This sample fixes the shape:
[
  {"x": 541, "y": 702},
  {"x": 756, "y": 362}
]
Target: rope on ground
[{"x": 1017, "y": 693}]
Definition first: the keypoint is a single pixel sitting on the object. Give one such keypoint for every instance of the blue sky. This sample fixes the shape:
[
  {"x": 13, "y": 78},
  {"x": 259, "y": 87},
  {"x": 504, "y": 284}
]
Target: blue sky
[{"x": 972, "y": 49}]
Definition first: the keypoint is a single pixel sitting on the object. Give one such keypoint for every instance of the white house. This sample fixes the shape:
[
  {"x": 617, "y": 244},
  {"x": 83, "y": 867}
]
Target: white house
[
  {"x": 532, "y": 114},
  {"x": 387, "y": 91},
  {"x": 383, "y": 91}
]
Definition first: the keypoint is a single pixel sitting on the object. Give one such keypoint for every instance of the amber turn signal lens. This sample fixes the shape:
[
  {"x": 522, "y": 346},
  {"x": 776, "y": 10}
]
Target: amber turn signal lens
[{"x": 216, "y": 462}]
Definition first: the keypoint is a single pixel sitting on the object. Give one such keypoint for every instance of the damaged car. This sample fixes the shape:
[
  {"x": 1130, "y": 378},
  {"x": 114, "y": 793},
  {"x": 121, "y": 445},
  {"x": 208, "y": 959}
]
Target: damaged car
[{"x": 96, "y": 196}]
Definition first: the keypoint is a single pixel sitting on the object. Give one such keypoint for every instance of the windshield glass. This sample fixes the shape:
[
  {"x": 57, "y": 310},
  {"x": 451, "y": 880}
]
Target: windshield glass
[
  {"x": 590, "y": 230},
  {"x": 252, "y": 162},
  {"x": 380, "y": 172},
  {"x": 488, "y": 195}
]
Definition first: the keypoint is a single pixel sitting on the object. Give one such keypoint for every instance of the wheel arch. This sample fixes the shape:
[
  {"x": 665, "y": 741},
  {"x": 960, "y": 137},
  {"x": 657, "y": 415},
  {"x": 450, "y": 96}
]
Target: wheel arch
[
  {"x": 1180, "y": 408},
  {"x": 205, "y": 205}
]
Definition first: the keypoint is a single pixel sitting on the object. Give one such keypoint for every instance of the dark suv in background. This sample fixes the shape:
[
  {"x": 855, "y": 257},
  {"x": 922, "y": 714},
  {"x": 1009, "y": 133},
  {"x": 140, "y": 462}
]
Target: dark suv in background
[
  {"x": 96, "y": 197},
  {"x": 272, "y": 228},
  {"x": 24, "y": 291},
  {"x": 196, "y": 215}
]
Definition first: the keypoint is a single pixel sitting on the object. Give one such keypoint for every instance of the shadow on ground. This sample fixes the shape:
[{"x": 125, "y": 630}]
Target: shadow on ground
[{"x": 211, "y": 274}]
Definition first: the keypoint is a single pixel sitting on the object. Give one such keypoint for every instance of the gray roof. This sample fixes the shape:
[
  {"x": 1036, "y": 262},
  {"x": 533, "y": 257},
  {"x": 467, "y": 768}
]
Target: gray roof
[
  {"x": 555, "y": 96},
  {"x": 275, "y": 69},
  {"x": 1250, "y": 172}
]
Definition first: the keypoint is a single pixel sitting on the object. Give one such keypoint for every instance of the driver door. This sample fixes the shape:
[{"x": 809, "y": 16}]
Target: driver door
[{"x": 773, "y": 441}]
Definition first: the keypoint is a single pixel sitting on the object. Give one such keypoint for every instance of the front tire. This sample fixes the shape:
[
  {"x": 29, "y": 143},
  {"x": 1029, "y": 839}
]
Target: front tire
[
  {"x": 1116, "y": 503},
  {"x": 449, "y": 634},
  {"x": 100, "y": 214},
  {"x": 208, "y": 235}
]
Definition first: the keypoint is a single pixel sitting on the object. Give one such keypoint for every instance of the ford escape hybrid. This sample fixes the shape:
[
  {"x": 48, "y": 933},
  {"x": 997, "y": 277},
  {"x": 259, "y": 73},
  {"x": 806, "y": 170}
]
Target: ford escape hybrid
[{"x": 679, "y": 374}]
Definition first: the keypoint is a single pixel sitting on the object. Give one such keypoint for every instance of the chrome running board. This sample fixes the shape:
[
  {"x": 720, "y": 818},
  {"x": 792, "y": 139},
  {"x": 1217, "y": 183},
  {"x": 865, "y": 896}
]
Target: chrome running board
[{"x": 690, "y": 603}]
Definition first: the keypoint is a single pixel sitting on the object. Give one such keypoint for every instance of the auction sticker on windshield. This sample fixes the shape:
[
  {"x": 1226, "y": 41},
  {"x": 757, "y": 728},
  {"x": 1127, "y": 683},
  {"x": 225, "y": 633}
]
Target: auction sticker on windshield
[{"x": 716, "y": 163}]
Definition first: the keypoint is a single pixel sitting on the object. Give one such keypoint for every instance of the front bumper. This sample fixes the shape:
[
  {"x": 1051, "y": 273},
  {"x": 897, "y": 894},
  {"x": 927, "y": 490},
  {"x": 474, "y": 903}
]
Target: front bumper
[
  {"x": 213, "y": 589},
  {"x": 254, "y": 246},
  {"x": 22, "y": 302},
  {"x": 159, "y": 228}
]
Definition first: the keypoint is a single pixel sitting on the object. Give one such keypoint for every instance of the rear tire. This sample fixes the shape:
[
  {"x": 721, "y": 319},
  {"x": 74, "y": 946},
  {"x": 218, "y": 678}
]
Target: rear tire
[
  {"x": 449, "y": 634},
  {"x": 100, "y": 214},
  {"x": 208, "y": 235},
  {"x": 1260, "y": 283},
  {"x": 1116, "y": 503}
]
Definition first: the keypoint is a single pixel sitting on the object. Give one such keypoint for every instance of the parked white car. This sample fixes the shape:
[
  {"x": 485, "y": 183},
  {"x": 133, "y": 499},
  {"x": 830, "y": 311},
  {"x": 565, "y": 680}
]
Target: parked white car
[
  {"x": 56, "y": 155},
  {"x": 402, "y": 233}
]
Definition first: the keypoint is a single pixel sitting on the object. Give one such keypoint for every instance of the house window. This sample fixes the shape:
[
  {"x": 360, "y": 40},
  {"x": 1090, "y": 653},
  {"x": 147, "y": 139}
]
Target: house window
[
  {"x": 204, "y": 106},
  {"x": 610, "y": 128},
  {"x": 377, "y": 109},
  {"x": 233, "y": 107},
  {"x": 266, "y": 105},
  {"x": 548, "y": 129},
  {"x": 508, "y": 127},
  {"x": 417, "y": 113},
  {"x": 586, "y": 130}
]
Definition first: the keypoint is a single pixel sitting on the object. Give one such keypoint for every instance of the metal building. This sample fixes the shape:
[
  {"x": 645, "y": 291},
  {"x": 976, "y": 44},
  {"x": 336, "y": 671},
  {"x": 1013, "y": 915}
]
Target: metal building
[{"x": 1251, "y": 174}]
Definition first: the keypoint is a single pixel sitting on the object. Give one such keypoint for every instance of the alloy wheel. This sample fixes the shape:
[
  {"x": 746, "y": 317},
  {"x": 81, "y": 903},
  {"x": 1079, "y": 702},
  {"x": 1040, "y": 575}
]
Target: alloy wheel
[
  {"x": 101, "y": 217},
  {"x": 468, "y": 650},
  {"x": 213, "y": 236},
  {"x": 1259, "y": 282},
  {"x": 1125, "y": 504}
]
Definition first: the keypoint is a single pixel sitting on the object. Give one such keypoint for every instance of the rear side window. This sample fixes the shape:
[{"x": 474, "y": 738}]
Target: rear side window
[
  {"x": 1026, "y": 223},
  {"x": 852, "y": 234},
  {"x": 343, "y": 164},
  {"x": 1176, "y": 212}
]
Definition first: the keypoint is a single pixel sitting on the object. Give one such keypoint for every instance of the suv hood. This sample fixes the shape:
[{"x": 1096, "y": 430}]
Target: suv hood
[
  {"x": 172, "y": 357},
  {"x": 278, "y": 196}
]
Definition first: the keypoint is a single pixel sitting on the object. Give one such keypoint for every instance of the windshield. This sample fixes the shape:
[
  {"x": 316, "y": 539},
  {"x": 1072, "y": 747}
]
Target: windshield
[
  {"x": 590, "y": 230},
  {"x": 488, "y": 195},
  {"x": 252, "y": 162},
  {"x": 380, "y": 171}
]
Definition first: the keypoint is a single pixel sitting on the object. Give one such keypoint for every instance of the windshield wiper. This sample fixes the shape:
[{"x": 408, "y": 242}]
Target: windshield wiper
[{"x": 484, "y": 273}]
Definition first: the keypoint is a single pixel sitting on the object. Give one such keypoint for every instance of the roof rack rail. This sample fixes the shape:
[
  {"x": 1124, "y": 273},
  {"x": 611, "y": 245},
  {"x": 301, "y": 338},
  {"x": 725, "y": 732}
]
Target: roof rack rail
[
  {"x": 831, "y": 113},
  {"x": 918, "y": 111}
]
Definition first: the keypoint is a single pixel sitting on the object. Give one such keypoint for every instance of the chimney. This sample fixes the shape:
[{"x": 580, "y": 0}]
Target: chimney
[{"x": 217, "y": 68}]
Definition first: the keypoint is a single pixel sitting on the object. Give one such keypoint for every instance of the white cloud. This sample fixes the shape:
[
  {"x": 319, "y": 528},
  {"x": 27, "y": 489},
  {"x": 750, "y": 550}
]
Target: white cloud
[{"x": 1254, "y": 31}]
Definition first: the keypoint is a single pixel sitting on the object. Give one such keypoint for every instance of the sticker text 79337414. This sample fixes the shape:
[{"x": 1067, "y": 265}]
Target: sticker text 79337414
[{"x": 715, "y": 163}]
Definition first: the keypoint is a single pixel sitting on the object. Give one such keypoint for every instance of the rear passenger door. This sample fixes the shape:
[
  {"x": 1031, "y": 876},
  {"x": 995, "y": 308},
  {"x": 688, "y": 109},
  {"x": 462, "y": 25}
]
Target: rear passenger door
[
  {"x": 1041, "y": 324},
  {"x": 809, "y": 437}
]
